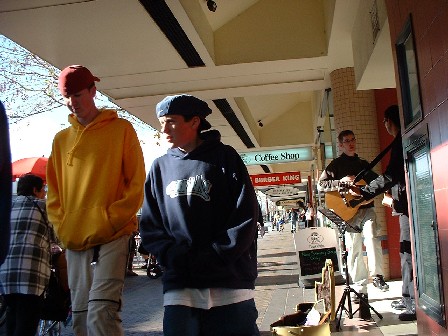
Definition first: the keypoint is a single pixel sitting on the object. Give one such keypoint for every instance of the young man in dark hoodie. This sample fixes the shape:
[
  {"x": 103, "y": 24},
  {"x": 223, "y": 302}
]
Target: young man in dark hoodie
[
  {"x": 199, "y": 219},
  {"x": 394, "y": 179}
]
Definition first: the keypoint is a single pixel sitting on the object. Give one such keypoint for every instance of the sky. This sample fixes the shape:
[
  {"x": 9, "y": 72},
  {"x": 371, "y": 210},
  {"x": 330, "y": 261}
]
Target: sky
[{"x": 34, "y": 135}]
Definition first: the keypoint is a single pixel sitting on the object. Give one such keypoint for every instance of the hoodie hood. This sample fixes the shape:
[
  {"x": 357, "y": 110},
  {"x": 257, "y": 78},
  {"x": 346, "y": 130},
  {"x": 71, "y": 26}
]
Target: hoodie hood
[
  {"x": 211, "y": 140},
  {"x": 105, "y": 117}
]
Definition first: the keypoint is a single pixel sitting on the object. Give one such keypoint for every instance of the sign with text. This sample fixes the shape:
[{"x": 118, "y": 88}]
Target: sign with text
[
  {"x": 291, "y": 203},
  {"x": 313, "y": 247},
  {"x": 283, "y": 191},
  {"x": 312, "y": 261},
  {"x": 277, "y": 156},
  {"x": 276, "y": 179}
]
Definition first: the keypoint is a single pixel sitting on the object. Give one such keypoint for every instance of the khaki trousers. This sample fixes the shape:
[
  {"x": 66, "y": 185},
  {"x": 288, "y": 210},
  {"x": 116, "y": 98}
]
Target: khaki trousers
[
  {"x": 96, "y": 290},
  {"x": 359, "y": 273}
]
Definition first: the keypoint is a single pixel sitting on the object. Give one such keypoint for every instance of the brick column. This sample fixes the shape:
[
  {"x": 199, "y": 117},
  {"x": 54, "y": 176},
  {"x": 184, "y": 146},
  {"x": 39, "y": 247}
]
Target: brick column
[{"x": 356, "y": 110}]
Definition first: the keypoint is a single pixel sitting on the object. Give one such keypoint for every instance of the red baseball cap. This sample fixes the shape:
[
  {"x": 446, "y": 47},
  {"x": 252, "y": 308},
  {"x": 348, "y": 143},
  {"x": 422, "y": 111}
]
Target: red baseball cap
[{"x": 75, "y": 78}]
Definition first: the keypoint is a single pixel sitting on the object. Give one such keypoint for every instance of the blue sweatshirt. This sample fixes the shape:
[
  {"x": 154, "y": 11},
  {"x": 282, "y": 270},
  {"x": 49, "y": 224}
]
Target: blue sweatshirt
[{"x": 199, "y": 217}]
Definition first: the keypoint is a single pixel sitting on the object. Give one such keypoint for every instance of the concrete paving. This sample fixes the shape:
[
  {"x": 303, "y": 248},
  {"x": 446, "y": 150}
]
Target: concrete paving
[{"x": 277, "y": 293}]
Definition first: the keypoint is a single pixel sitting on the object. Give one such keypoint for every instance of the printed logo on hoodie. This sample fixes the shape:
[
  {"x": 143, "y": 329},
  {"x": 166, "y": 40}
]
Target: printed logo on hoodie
[{"x": 195, "y": 185}]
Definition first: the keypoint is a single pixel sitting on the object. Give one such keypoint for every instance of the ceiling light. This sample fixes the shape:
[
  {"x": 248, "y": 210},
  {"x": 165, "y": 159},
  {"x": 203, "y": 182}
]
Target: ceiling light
[{"x": 211, "y": 5}]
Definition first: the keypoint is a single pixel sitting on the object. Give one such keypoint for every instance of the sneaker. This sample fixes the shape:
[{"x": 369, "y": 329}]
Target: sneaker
[
  {"x": 378, "y": 282},
  {"x": 407, "y": 316},
  {"x": 364, "y": 309},
  {"x": 398, "y": 304}
]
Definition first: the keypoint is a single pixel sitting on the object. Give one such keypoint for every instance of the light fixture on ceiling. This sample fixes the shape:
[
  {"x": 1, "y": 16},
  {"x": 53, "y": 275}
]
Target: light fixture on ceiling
[
  {"x": 260, "y": 123},
  {"x": 211, "y": 5}
]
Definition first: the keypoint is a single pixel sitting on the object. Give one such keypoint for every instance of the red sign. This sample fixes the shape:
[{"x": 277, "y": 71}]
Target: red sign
[{"x": 276, "y": 179}]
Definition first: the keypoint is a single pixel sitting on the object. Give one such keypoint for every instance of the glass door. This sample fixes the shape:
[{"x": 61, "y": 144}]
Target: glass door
[{"x": 426, "y": 241}]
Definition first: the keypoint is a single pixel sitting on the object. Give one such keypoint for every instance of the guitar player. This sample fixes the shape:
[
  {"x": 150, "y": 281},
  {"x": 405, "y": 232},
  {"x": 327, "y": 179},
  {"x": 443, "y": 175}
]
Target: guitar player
[
  {"x": 394, "y": 179},
  {"x": 342, "y": 171}
]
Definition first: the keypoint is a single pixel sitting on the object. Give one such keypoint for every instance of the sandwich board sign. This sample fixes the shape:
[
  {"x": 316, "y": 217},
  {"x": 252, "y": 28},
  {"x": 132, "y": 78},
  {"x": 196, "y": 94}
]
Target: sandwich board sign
[{"x": 313, "y": 246}]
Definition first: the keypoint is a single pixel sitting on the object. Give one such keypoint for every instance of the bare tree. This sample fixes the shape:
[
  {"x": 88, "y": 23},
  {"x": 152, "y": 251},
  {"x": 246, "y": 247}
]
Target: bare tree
[{"x": 28, "y": 86}]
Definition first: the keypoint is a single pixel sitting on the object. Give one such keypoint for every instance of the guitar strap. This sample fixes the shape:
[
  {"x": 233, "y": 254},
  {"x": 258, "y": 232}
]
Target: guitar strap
[{"x": 374, "y": 162}]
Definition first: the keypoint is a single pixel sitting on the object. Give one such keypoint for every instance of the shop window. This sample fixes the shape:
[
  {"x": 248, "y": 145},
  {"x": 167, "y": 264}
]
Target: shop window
[
  {"x": 424, "y": 224},
  {"x": 408, "y": 72}
]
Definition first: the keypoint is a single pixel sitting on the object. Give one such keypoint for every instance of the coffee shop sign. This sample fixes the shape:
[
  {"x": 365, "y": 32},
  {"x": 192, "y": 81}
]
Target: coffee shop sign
[{"x": 277, "y": 156}]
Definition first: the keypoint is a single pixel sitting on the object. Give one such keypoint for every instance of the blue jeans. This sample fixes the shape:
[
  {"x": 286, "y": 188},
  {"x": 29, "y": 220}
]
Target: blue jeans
[
  {"x": 406, "y": 258},
  {"x": 293, "y": 225},
  {"x": 238, "y": 319}
]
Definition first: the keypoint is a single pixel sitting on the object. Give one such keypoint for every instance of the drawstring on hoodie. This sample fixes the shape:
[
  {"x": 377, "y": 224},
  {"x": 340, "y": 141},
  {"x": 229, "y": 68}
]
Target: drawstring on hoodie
[
  {"x": 104, "y": 117},
  {"x": 96, "y": 254},
  {"x": 77, "y": 139}
]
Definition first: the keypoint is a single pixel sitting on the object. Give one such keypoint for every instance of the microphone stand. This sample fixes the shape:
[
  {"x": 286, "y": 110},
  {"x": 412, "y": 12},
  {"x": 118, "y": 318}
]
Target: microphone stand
[{"x": 342, "y": 228}]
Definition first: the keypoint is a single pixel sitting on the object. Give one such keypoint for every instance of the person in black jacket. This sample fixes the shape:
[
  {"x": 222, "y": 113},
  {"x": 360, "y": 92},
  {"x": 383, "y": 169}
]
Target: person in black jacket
[
  {"x": 199, "y": 219},
  {"x": 5, "y": 184},
  {"x": 393, "y": 178},
  {"x": 25, "y": 273}
]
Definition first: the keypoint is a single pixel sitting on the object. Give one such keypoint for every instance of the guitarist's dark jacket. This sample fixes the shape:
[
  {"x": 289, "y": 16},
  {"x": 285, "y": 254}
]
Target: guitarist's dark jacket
[
  {"x": 340, "y": 167},
  {"x": 392, "y": 179}
]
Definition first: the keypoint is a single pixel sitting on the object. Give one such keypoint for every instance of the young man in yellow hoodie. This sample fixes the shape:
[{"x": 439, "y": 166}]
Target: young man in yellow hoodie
[{"x": 95, "y": 178}]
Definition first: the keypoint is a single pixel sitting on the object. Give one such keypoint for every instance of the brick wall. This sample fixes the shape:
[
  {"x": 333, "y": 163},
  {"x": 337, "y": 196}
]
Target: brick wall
[{"x": 429, "y": 22}]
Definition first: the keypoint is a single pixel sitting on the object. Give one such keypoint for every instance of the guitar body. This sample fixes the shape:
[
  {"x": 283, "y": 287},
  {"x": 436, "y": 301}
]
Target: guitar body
[{"x": 335, "y": 202}]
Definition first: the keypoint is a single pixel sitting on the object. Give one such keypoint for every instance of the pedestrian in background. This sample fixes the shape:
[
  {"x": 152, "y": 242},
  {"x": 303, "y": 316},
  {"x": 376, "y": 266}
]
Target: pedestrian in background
[
  {"x": 199, "y": 219},
  {"x": 294, "y": 219},
  {"x": 309, "y": 215},
  {"x": 132, "y": 254},
  {"x": 260, "y": 222},
  {"x": 95, "y": 178},
  {"x": 26, "y": 271}
]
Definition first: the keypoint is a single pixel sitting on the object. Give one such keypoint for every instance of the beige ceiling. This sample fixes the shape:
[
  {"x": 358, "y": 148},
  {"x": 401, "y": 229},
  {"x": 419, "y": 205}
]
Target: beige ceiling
[{"x": 270, "y": 60}]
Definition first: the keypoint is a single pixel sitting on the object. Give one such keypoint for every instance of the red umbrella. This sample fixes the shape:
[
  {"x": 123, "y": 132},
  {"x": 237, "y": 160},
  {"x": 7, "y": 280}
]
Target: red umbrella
[{"x": 33, "y": 165}]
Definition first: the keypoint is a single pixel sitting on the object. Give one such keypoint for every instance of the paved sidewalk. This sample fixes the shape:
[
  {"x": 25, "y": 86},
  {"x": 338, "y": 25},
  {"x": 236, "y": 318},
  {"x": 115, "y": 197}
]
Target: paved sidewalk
[
  {"x": 276, "y": 294},
  {"x": 276, "y": 290}
]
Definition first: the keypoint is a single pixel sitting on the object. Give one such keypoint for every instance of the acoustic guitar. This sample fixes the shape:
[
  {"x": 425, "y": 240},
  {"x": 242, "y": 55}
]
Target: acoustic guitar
[{"x": 344, "y": 204}]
